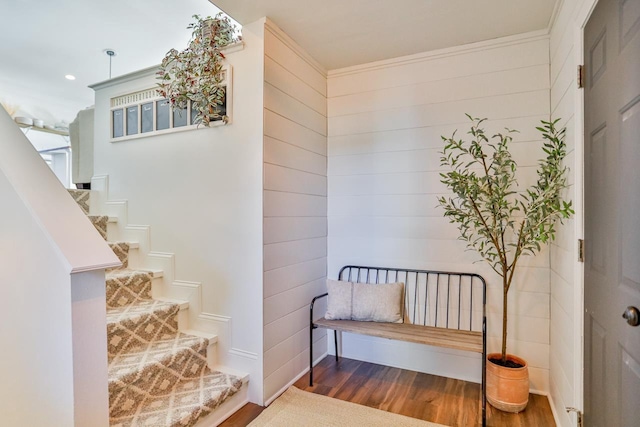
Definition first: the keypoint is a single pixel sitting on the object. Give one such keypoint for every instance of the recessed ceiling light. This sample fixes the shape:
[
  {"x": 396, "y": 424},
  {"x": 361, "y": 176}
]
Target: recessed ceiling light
[{"x": 70, "y": 77}]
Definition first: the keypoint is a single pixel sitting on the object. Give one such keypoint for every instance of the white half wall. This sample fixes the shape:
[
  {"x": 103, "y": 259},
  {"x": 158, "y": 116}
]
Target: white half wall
[
  {"x": 35, "y": 324},
  {"x": 90, "y": 364},
  {"x": 49, "y": 325},
  {"x": 295, "y": 207},
  {"x": 384, "y": 127},
  {"x": 201, "y": 193}
]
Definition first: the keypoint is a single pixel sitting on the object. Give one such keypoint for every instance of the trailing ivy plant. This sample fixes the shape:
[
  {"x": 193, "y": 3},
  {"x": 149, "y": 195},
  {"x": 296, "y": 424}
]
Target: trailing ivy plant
[
  {"x": 495, "y": 218},
  {"x": 196, "y": 73}
]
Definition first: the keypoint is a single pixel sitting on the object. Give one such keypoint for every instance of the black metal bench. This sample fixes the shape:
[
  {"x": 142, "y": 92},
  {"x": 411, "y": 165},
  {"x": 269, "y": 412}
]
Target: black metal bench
[{"x": 435, "y": 312}]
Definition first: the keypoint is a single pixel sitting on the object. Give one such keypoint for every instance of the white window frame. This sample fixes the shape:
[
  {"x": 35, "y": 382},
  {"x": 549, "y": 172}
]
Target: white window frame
[{"x": 151, "y": 95}]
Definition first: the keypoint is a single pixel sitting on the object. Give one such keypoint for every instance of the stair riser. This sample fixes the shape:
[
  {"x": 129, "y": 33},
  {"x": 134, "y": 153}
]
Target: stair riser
[
  {"x": 188, "y": 407},
  {"x": 100, "y": 223},
  {"x": 133, "y": 258},
  {"x": 117, "y": 210},
  {"x": 156, "y": 380},
  {"x": 183, "y": 320},
  {"x": 129, "y": 368},
  {"x": 125, "y": 290},
  {"x": 127, "y": 333},
  {"x": 82, "y": 198},
  {"x": 212, "y": 359},
  {"x": 121, "y": 249},
  {"x": 229, "y": 407}
]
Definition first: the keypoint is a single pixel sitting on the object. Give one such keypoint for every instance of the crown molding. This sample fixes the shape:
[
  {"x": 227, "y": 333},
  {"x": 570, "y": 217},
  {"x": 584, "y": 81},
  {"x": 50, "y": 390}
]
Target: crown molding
[
  {"x": 291, "y": 44},
  {"x": 443, "y": 53},
  {"x": 554, "y": 15}
]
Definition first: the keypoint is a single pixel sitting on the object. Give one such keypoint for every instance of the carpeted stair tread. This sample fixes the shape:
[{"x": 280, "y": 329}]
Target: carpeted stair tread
[
  {"x": 126, "y": 287},
  {"x": 81, "y": 197},
  {"x": 181, "y": 405},
  {"x": 137, "y": 324},
  {"x": 127, "y": 271},
  {"x": 100, "y": 223},
  {"x": 121, "y": 249},
  {"x": 140, "y": 308},
  {"x": 163, "y": 352}
]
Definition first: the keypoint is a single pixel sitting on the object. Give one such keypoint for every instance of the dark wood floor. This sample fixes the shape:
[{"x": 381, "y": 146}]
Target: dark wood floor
[{"x": 442, "y": 400}]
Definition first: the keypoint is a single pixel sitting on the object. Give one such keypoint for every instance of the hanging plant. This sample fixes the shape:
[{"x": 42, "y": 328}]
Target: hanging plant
[{"x": 196, "y": 74}]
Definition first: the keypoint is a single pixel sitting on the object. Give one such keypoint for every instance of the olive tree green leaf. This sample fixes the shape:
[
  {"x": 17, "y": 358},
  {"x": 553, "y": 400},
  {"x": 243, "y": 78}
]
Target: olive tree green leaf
[{"x": 487, "y": 206}]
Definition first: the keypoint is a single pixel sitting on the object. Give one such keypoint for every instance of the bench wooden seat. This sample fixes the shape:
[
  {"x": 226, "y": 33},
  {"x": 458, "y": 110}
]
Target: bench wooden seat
[
  {"x": 448, "y": 292},
  {"x": 429, "y": 335}
]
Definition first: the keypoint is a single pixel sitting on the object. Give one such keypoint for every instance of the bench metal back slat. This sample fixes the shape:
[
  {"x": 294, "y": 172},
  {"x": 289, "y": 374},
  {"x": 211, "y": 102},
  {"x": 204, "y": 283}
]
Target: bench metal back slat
[
  {"x": 459, "y": 297},
  {"x": 415, "y": 297},
  {"x": 437, "y": 303},
  {"x": 423, "y": 304}
]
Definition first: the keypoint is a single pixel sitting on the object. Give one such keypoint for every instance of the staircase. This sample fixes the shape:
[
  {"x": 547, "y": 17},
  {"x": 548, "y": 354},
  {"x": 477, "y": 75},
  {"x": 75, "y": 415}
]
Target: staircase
[{"x": 158, "y": 375}]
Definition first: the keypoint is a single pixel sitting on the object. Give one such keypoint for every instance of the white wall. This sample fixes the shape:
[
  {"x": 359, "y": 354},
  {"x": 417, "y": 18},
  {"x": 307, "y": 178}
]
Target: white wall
[
  {"x": 385, "y": 122},
  {"x": 566, "y": 357},
  {"x": 35, "y": 321},
  {"x": 46, "y": 238},
  {"x": 90, "y": 364},
  {"x": 295, "y": 207},
  {"x": 201, "y": 193}
]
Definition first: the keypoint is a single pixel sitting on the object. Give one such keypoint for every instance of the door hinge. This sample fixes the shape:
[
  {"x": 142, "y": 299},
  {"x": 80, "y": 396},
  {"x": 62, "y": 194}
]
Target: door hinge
[
  {"x": 580, "y": 250},
  {"x": 580, "y": 76},
  {"x": 578, "y": 415}
]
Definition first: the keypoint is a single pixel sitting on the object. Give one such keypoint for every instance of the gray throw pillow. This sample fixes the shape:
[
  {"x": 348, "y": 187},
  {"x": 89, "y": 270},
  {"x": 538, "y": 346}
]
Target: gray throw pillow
[
  {"x": 364, "y": 302},
  {"x": 339, "y": 300},
  {"x": 378, "y": 303}
]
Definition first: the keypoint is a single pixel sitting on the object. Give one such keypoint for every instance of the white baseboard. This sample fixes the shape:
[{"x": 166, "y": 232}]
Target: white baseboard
[
  {"x": 540, "y": 392},
  {"x": 293, "y": 381},
  {"x": 556, "y": 416},
  {"x": 224, "y": 411}
]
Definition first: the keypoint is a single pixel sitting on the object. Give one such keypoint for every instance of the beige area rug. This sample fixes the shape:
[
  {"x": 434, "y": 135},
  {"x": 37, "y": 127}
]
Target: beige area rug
[{"x": 300, "y": 408}]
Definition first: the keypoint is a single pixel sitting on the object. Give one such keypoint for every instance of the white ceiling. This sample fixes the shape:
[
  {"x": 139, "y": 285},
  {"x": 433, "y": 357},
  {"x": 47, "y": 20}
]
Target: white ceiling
[
  {"x": 340, "y": 33},
  {"x": 42, "y": 40}
]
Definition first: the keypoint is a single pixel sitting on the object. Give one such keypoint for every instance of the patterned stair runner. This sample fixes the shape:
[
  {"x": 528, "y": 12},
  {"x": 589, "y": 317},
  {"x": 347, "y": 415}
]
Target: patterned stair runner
[
  {"x": 100, "y": 223},
  {"x": 158, "y": 376},
  {"x": 82, "y": 199},
  {"x": 121, "y": 249}
]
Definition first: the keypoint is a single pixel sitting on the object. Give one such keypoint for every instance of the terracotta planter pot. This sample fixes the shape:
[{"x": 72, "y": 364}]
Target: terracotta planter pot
[{"x": 507, "y": 388}]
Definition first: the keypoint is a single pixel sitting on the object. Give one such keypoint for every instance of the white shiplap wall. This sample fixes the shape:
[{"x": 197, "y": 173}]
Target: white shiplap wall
[
  {"x": 385, "y": 121},
  {"x": 295, "y": 207},
  {"x": 566, "y": 274}
]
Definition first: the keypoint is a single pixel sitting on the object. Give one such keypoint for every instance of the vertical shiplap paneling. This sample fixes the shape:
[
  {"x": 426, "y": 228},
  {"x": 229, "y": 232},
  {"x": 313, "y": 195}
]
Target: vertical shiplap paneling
[
  {"x": 295, "y": 210},
  {"x": 384, "y": 129},
  {"x": 565, "y": 380}
]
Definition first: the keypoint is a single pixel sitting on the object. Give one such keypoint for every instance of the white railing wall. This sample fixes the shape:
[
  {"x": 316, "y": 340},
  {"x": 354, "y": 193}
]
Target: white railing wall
[{"x": 53, "y": 338}]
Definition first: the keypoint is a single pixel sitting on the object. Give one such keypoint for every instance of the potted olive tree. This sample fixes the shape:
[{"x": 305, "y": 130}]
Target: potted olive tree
[
  {"x": 195, "y": 75},
  {"x": 502, "y": 222}
]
